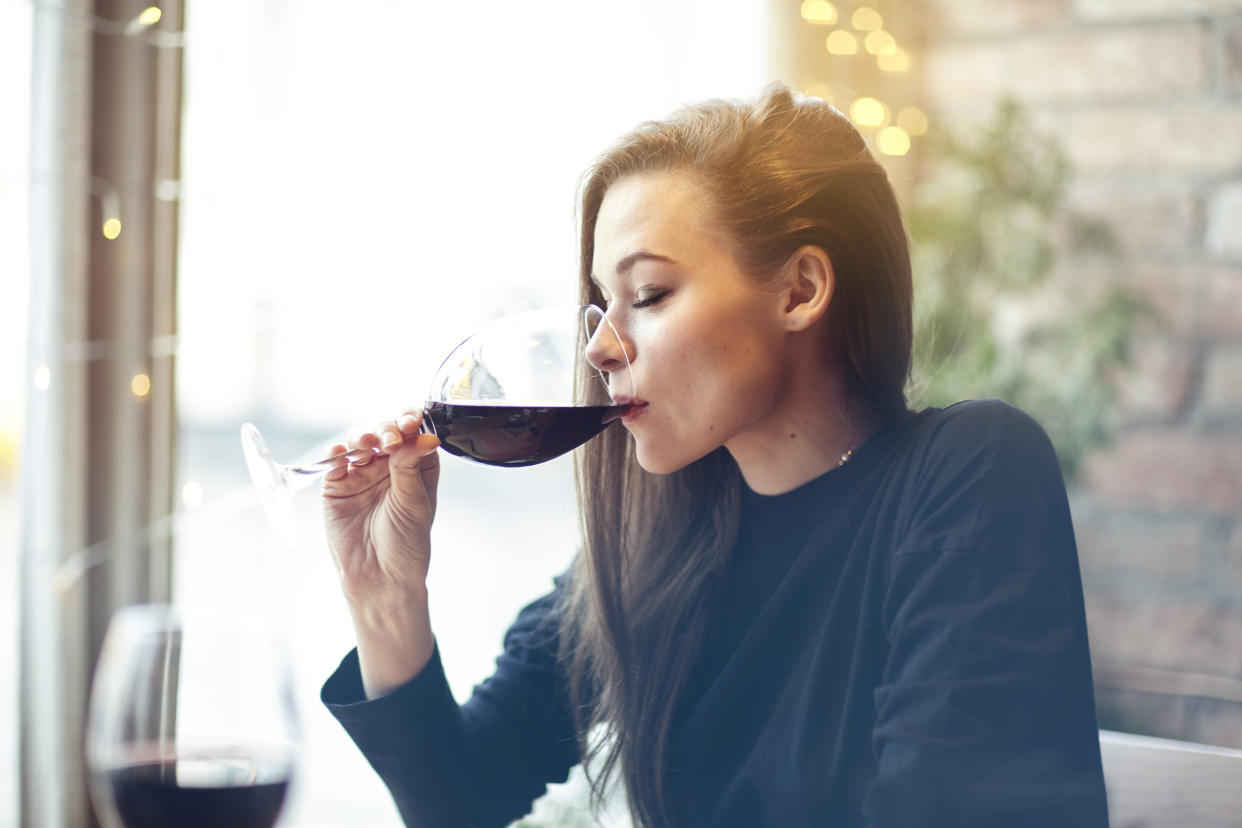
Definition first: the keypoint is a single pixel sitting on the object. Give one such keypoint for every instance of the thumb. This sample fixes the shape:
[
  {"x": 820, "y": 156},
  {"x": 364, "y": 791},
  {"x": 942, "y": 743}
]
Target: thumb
[{"x": 429, "y": 468}]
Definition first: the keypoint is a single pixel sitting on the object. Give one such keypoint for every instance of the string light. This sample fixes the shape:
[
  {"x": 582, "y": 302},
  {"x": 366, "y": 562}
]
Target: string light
[
  {"x": 881, "y": 42},
  {"x": 140, "y": 385},
  {"x": 896, "y": 61},
  {"x": 147, "y": 18},
  {"x": 819, "y": 12},
  {"x": 912, "y": 120},
  {"x": 893, "y": 140},
  {"x": 109, "y": 206},
  {"x": 893, "y": 137},
  {"x": 866, "y": 19},
  {"x": 841, "y": 42},
  {"x": 141, "y": 27},
  {"x": 868, "y": 112}
]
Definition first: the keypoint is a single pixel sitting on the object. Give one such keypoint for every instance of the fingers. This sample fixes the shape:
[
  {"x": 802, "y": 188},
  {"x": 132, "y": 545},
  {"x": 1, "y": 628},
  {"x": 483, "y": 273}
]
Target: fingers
[
  {"x": 368, "y": 441},
  {"x": 415, "y": 460},
  {"x": 363, "y": 447},
  {"x": 386, "y": 438},
  {"x": 391, "y": 434},
  {"x": 410, "y": 421},
  {"x": 340, "y": 471}
]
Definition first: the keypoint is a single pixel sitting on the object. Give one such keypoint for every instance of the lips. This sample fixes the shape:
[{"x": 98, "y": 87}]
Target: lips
[{"x": 635, "y": 409}]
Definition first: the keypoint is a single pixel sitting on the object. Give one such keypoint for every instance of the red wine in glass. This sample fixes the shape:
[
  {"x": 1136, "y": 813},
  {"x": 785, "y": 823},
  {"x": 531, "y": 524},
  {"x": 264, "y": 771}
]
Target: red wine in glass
[
  {"x": 191, "y": 722},
  {"x": 198, "y": 793},
  {"x": 510, "y": 435}
]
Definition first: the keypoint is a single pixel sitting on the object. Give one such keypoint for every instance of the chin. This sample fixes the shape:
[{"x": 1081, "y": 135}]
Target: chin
[{"x": 663, "y": 462}]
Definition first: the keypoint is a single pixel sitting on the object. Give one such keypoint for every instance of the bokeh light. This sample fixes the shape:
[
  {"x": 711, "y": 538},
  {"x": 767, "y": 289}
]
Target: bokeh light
[
  {"x": 868, "y": 112},
  {"x": 896, "y": 61},
  {"x": 842, "y": 42},
  {"x": 140, "y": 385},
  {"x": 866, "y": 19},
  {"x": 819, "y": 12},
  {"x": 893, "y": 140},
  {"x": 881, "y": 42},
  {"x": 912, "y": 120},
  {"x": 111, "y": 228},
  {"x": 42, "y": 378},
  {"x": 150, "y": 16}
]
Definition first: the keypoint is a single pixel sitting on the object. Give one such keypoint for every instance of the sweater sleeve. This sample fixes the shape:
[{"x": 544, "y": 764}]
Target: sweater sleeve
[
  {"x": 985, "y": 715},
  {"x": 482, "y": 763}
]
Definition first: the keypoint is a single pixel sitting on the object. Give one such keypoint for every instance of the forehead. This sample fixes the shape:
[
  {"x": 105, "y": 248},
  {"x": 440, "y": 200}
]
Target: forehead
[{"x": 664, "y": 213}]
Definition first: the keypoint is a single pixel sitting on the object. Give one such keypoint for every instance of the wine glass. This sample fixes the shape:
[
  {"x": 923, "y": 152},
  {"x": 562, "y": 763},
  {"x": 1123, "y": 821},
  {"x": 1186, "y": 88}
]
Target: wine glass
[
  {"x": 190, "y": 723},
  {"x": 519, "y": 391}
]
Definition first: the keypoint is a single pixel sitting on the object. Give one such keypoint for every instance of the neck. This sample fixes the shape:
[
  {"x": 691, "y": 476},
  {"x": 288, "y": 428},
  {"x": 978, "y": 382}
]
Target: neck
[{"x": 805, "y": 435}]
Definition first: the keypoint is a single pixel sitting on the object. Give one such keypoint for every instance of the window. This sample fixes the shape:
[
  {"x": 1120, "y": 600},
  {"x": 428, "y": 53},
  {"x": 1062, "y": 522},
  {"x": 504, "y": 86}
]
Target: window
[
  {"x": 361, "y": 187},
  {"x": 15, "y": 43}
]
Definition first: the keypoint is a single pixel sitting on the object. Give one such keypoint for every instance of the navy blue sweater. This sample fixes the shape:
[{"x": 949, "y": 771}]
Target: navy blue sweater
[{"x": 900, "y": 642}]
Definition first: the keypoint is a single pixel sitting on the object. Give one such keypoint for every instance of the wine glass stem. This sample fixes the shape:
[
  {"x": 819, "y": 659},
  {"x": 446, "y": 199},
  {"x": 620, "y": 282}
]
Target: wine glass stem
[
  {"x": 327, "y": 464},
  {"x": 309, "y": 471}
]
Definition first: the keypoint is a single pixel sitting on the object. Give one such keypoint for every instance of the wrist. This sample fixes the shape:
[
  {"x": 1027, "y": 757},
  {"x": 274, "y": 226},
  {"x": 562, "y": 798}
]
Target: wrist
[
  {"x": 390, "y": 608},
  {"x": 394, "y": 640}
]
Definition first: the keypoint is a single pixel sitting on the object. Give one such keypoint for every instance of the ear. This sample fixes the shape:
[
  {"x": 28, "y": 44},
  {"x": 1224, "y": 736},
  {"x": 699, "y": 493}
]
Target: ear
[{"x": 807, "y": 287}]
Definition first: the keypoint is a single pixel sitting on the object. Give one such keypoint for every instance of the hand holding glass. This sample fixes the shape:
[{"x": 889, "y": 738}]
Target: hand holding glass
[{"x": 519, "y": 391}]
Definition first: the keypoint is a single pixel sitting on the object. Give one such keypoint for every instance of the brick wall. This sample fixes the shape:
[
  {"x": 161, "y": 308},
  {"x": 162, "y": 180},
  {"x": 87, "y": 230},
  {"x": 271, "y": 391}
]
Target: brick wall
[{"x": 1146, "y": 96}]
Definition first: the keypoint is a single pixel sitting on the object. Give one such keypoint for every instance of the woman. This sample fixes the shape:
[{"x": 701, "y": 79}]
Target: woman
[{"x": 797, "y": 602}]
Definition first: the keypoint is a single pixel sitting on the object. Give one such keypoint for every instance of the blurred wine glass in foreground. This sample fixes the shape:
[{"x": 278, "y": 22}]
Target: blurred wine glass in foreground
[
  {"x": 191, "y": 724},
  {"x": 519, "y": 391}
]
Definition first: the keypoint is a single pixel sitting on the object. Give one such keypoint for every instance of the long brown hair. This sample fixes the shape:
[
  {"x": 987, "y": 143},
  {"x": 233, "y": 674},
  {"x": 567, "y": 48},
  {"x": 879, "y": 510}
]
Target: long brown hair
[{"x": 782, "y": 171}]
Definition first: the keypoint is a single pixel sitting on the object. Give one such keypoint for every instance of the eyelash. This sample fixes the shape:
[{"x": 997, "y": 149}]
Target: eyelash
[{"x": 649, "y": 300}]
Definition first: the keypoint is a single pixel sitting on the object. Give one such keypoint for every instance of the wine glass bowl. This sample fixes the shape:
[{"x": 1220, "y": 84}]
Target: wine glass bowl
[
  {"x": 521, "y": 390},
  {"x": 190, "y": 724}
]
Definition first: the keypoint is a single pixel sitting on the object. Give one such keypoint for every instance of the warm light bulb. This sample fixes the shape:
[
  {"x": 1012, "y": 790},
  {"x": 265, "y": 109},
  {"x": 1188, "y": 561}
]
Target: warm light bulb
[
  {"x": 893, "y": 140},
  {"x": 819, "y": 12},
  {"x": 881, "y": 42},
  {"x": 42, "y": 378},
  {"x": 112, "y": 228},
  {"x": 867, "y": 112},
  {"x": 140, "y": 385},
  {"x": 150, "y": 16},
  {"x": 912, "y": 120},
  {"x": 866, "y": 19},
  {"x": 895, "y": 61},
  {"x": 842, "y": 42}
]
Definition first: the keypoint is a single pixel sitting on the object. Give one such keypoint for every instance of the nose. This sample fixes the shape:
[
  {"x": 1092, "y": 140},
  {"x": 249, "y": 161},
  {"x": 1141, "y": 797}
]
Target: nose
[{"x": 606, "y": 352}]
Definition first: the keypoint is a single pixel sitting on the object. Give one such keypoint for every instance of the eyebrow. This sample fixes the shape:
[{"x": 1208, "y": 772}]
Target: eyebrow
[{"x": 629, "y": 261}]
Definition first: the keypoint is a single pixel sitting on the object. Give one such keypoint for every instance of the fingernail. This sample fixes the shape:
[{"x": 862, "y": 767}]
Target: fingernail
[
  {"x": 390, "y": 439},
  {"x": 408, "y": 421}
]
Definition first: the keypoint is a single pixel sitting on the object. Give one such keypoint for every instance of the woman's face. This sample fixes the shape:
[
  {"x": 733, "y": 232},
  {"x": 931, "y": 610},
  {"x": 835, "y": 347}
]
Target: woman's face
[{"x": 705, "y": 341}]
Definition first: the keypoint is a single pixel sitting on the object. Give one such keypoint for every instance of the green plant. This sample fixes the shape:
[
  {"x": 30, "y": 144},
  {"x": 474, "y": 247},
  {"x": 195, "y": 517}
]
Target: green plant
[{"x": 1003, "y": 303}]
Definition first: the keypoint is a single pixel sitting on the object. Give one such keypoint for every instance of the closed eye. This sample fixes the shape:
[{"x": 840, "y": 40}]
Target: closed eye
[{"x": 650, "y": 299}]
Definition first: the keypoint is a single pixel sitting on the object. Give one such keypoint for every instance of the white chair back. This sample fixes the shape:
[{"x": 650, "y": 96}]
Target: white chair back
[{"x": 1162, "y": 783}]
